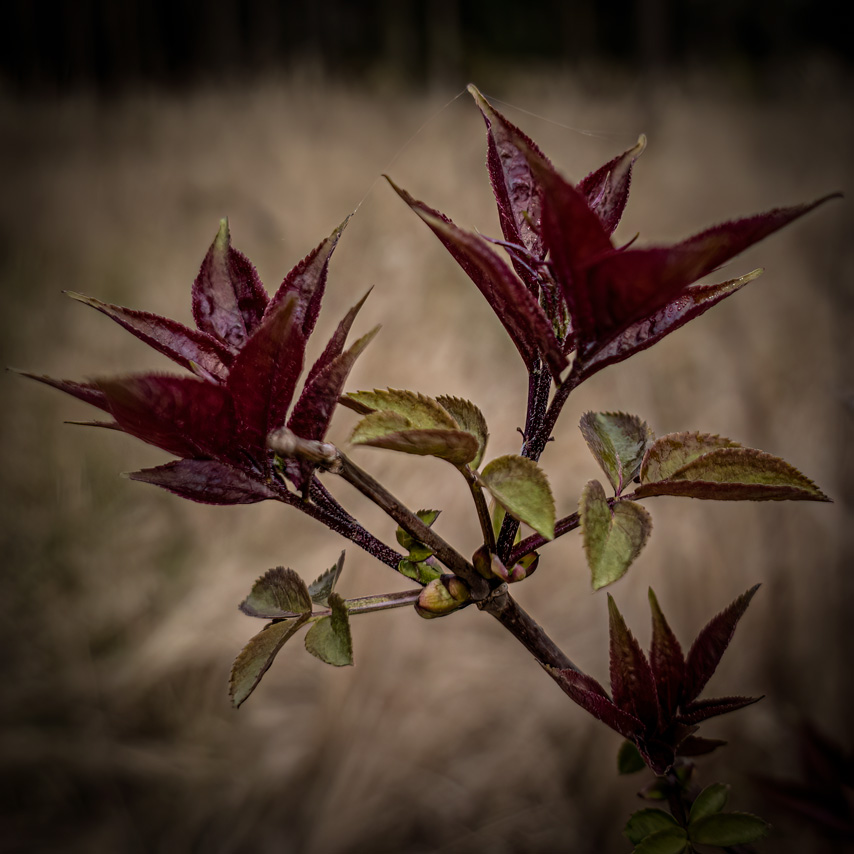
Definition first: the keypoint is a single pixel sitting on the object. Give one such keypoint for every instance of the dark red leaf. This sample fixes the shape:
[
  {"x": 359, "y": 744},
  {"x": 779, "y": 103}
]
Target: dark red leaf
[
  {"x": 87, "y": 392},
  {"x": 313, "y": 411},
  {"x": 264, "y": 374},
  {"x": 626, "y": 286},
  {"x": 575, "y": 237},
  {"x": 206, "y": 481},
  {"x": 335, "y": 346},
  {"x": 184, "y": 416},
  {"x": 181, "y": 344},
  {"x": 692, "y": 302},
  {"x": 515, "y": 306},
  {"x": 632, "y": 681},
  {"x": 590, "y": 695},
  {"x": 307, "y": 281},
  {"x": 695, "y": 745},
  {"x": 228, "y": 297},
  {"x": 666, "y": 660},
  {"x": 710, "y": 645},
  {"x": 607, "y": 189},
  {"x": 701, "y": 710},
  {"x": 517, "y": 192}
]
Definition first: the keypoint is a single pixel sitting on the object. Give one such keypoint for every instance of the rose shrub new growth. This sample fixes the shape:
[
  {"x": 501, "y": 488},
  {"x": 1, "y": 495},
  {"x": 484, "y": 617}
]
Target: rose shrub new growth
[{"x": 573, "y": 303}]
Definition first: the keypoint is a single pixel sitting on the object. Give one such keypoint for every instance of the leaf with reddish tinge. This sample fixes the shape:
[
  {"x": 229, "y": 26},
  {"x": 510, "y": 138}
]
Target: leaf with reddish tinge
[
  {"x": 335, "y": 345},
  {"x": 607, "y": 189},
  {"x": 184, "y": 416},
  {"x": 613, "y": 536},
  {"x": 264, "y": 374},
  {"x": 710, "y": 645},
  {"x": 180, "y": 343},
  {"x": 736, "y": 474},
  {"x": 667, "y": 454},
  {"x": 517, "y": 192},
  {"x": 87, "y": 392},
  {"x": 516, "y": 307},
  {"x": 206, "y": 481},
  {"x": 257, "y": 656},
  {"x": 632, "y": 680},
  {"x": 228, "y": 297},
  {"x": 521, "y": 487},
  {"x": 624, "y": 287},
  {"x": 617, "y": 441},
  {"x": 308, "y": 281},
  {"x": 278, "y": 593},
  {"x": 315, "y": 406},
  {"x": 590, "y": 695},
  {"x": 702, "y": 710},
  {"x": 666, "y": 660},
  {"x": 691, "y": 303}
]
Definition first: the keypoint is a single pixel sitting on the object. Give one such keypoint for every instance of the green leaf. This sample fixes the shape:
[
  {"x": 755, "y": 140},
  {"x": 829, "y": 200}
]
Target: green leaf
[
  {"x": 669, "y": 453},
  {"x": 647, "y": 821},
  {"x": 257, "y": 656},
  {"x": 329, "y": 638},
  {"x": 618, "y": 442},
  {"x": 470, "y": 419},
  {"x": 736, "y": 474},
  {"x": 710, "y": 801},
  {"x": 417, "y": 550},
  {"x": 520, "y": 486},
  {"x": 728, "y": 828},
  {"x": 418, "y": 409},
  {"x": 394, "y": 432},
  {"x": 420, "y": 571},
  {"x": 629, "y": 760},
  {"x": 613, "y": 536},
  {"x": 279, "y": 592},
  {"x": 670, "y": 841},
  {"x": 323, "y": 585}
]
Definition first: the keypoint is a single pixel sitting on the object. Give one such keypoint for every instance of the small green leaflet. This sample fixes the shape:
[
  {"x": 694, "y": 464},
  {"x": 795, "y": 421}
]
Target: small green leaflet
[
  {"x": 329, "y": 638},
  {"x": 710, "y": 801},
  {"x": 644, "y": 822},
  {"x": 698, "y": 465},
  {"x": 613, "y": 536},
  {"x": 521, "y": 487},
  {"x": 673, "y": 840},
  {"x": 257, "y": 656},
  {"x": 320, "y": 589},
  {"x": 629, "y": 760},
  {"x": 279, "y": 592},
  {"x": 470, "y": 419},
  {"x": 728, "y": 828},
  {"x": 618, "y": 442},
  {"x": 417, "y": 550}
]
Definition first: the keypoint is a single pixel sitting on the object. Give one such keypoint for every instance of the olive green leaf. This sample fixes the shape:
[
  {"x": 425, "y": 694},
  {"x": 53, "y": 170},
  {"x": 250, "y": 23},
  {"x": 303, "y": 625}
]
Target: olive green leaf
[
  {"x": 419, "y": 410},
  {"x": 669, "y": 453},
  {"x": 394, "y": 432},
  {"x": 422, "y": 571},
  {"x": 613, "y": 536},
  {"x": 673, "y": 840},
  {"x": 646, "y": 821},
  {"x": 329, "y": 638},
  {"x": 470, "y": 419},
  {"x": 323, "y": 585},
  {"x": 279, "y": 592},
  {"x": 726, "y": 473},
  {"x": 520, "y": 486},
  {"x": 618, "y": 442},
  {"x": 629, "y": 760},
  {"x": 728, "y": 828},
  {"x": 257, "y": 656},
  {"x": 710, "y": 801}
]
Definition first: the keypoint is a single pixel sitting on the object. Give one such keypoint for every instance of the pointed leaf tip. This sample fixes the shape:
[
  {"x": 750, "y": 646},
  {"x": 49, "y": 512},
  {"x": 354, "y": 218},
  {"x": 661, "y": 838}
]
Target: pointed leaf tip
[
  {"x": 278, "y": 593},
  {"x": 329, "y": 638},
  {"x": 521, "y": 487}
]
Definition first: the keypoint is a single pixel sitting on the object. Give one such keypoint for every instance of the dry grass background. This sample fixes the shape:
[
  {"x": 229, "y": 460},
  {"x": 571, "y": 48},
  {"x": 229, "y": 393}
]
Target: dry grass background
[{"x": 118, "y": 605}]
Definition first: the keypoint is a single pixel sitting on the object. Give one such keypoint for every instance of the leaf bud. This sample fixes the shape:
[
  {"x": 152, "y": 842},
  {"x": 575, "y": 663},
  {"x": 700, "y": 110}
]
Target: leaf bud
[{"x": 442, "y": 596}]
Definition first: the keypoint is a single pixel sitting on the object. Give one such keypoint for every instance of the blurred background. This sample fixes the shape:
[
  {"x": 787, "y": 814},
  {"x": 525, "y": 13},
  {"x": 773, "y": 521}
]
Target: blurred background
[{"x": 127, "y": 130}]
